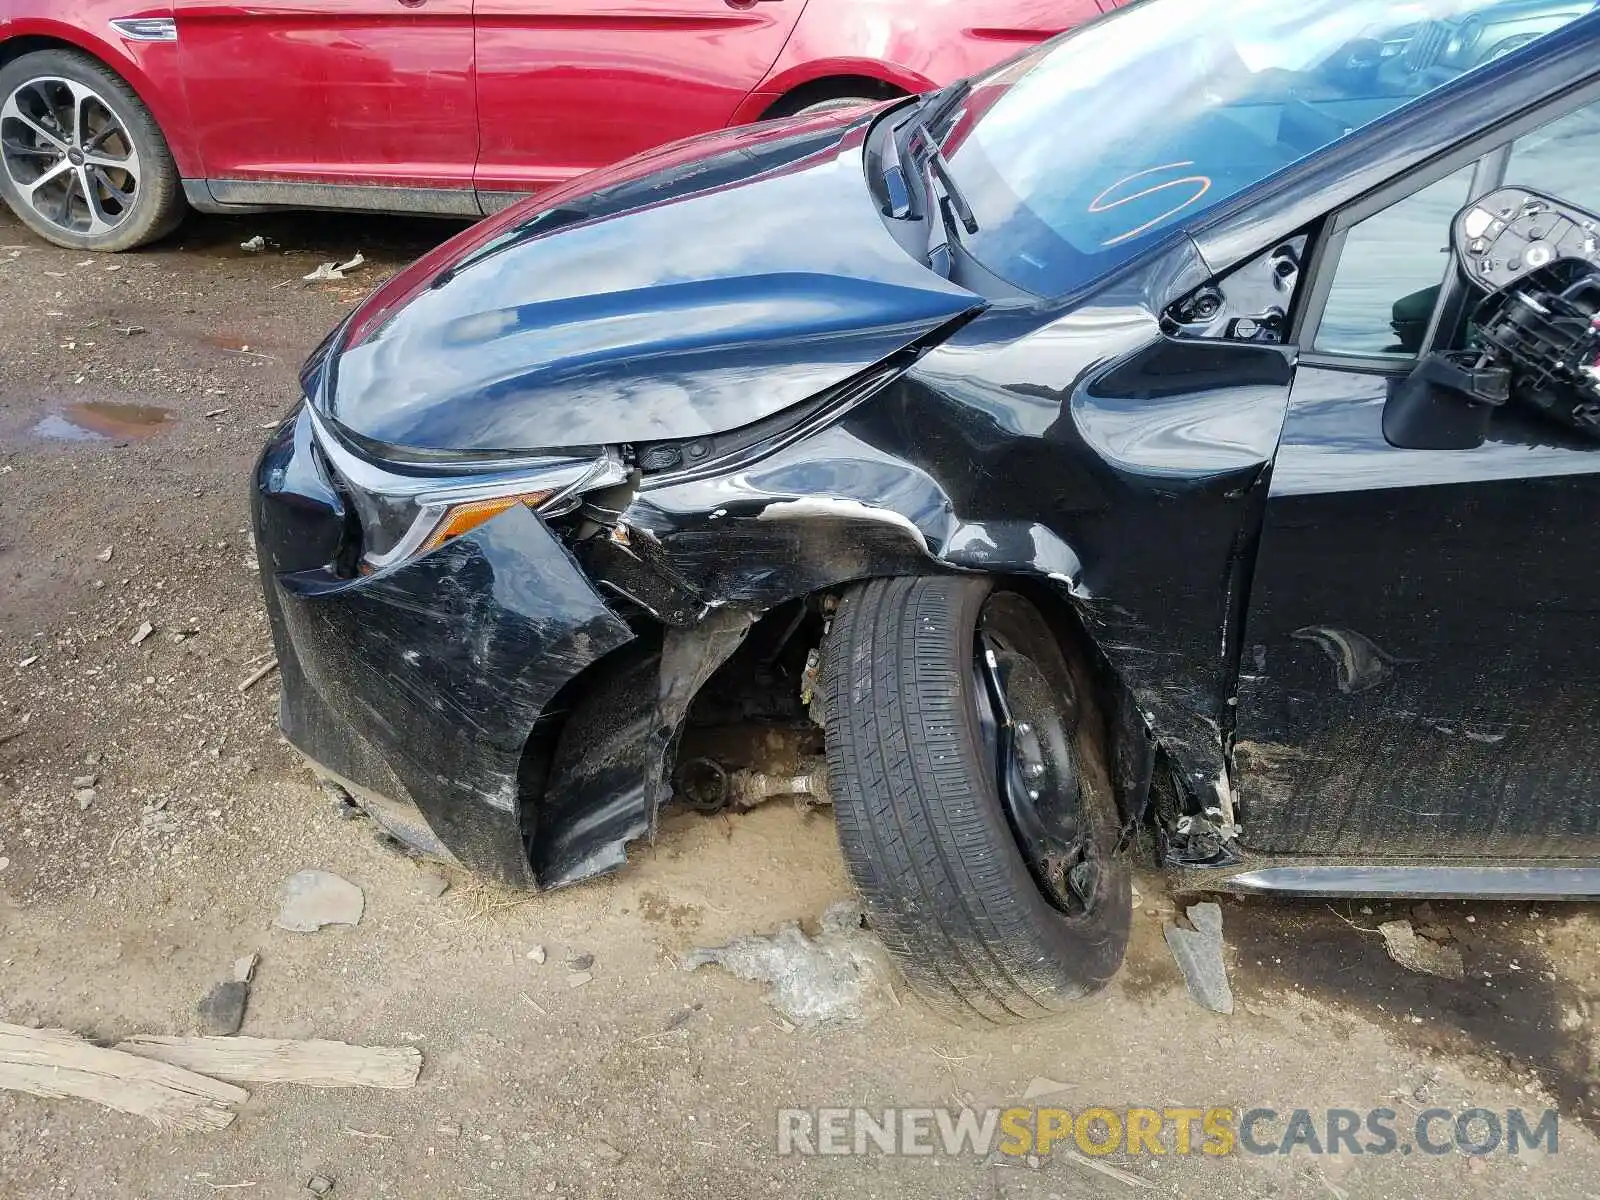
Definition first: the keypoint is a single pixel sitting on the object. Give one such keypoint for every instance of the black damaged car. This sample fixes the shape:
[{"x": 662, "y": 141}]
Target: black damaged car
[{"x": 1183, "y": 440}]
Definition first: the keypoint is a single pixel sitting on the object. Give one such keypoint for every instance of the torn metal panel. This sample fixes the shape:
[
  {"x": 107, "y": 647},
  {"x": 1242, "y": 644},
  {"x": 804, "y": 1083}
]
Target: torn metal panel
[
  {"x": 629, "y": 562},
  {"x": 954, "y": 466}
]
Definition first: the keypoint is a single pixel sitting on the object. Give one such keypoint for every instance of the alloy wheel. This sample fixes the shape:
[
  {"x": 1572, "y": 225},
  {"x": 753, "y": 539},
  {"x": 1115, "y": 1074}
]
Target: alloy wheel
[{"x": 69, "y": 156}]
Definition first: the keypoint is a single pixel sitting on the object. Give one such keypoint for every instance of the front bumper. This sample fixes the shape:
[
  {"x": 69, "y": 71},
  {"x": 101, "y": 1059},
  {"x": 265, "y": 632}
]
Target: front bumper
[{"x": 418, "y": 687}]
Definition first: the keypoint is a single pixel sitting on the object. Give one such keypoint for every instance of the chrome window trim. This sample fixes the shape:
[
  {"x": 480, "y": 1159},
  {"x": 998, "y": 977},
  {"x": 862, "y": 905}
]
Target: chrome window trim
[{"x": 1568, "y": 881}]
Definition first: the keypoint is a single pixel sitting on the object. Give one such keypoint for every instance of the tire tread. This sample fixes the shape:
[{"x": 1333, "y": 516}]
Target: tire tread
[{"x": 923, "y": 839}]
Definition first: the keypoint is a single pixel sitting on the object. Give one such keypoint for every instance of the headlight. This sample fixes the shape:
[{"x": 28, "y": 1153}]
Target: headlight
[{"x": 405, "y": 515}]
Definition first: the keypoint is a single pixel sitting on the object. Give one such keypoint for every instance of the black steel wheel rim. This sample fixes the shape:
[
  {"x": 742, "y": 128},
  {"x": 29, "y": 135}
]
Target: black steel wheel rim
[
  {"x": 1028, "y": 728},
  {"x": 68, "y": 156}
]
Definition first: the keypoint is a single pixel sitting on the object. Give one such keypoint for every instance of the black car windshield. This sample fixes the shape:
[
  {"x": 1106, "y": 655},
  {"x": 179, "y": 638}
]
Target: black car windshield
[{"x": 1079, "y": 155}]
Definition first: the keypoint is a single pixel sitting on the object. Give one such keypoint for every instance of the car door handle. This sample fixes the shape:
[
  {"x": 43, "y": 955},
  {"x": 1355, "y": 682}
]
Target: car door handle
[
  {"x": 748, "y": 3},
  {"x": 412, "y": 3}
]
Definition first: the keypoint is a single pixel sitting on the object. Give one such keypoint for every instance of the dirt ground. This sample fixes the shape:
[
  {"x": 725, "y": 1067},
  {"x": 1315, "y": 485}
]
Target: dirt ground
[{"x": 118, "y": 912}]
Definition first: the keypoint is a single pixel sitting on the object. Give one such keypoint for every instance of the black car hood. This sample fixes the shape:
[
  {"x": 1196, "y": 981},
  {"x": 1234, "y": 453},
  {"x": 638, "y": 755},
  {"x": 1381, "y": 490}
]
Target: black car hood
[{"x": 693, "y": 291}]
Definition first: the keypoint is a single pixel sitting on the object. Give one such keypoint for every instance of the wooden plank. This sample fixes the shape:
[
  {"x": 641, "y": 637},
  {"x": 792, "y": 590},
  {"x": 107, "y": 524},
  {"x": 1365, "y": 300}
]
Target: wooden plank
[
  {"x": 282, "y": 1060},
  {"x": 55, "y": 1063}
]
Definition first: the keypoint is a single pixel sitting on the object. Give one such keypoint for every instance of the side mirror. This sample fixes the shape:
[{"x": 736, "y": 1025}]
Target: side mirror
[{"x": 1445, "y": 403}]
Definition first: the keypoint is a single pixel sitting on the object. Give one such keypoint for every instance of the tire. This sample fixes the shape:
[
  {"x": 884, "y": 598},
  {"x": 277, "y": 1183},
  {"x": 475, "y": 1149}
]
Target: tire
[
  {"x": 837, "y": 104},
  {"x": 921, "y": 821},
  {"x": 137, "y": 195}
]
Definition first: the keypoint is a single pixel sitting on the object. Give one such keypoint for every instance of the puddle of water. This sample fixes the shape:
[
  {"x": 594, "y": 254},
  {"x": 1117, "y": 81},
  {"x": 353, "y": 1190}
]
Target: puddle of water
[{"x": 98, "y": 420}]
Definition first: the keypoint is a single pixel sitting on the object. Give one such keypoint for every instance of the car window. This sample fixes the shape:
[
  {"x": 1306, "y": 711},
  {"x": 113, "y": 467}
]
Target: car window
[
  {"x": 1388, "y": 276},
  {"x": 1561, "y": 159}
]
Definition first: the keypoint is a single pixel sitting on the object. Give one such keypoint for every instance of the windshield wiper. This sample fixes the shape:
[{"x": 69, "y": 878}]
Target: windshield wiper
[
  {"x": 947, "y": 210},
  {"x": 938, "y": 107},
  {"x": 895, "y": 187},
  {"x": 952, "y": 192},
  {"x": 912, "y": 152}
]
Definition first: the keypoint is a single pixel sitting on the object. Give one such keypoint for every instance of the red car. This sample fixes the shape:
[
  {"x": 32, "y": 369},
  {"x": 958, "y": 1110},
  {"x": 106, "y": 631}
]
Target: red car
[{"x": 116, "y": 116}]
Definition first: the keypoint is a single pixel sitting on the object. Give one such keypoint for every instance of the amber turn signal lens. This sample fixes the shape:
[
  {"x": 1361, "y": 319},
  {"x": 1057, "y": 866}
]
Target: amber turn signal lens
[{"x": 463, "y": 518}]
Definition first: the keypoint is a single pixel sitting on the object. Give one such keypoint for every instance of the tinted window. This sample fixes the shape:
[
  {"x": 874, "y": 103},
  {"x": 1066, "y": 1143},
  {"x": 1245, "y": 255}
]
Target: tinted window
[{"x": 1389, "y": 274}]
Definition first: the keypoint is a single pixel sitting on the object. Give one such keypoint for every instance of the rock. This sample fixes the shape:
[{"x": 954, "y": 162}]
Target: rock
[
  {"x": 254, "y": 246},
  {"x": 537, "y": 954},
  {"x": 159, "y": 822},
  {"x": 578, "y": 978},
  {"x": 1418, "y": 953},
  {"x": 432, "y": 884},
  {"x": 1477, "y": 1164},
  {"x": 4, "y": 863},
  {"x": 582, "y": 963},
  {"x": 607, "y": 1153},
  {"x": 85, "y": 781},
  {"x": 244, "y": 969},
  {"x": 319, "y": 1185},
  {"x": 679, "y": 1019},
  {"x": 91, "y": 759},
  {"x": 85, "y": 797},
  {"x": 222, "y": 1008},
  {"x": 145, "y": 630},
  {"x": 1198, "y": 953},
  {"x": 313, "y": 899},
  {"x": 105, "y": 555}
]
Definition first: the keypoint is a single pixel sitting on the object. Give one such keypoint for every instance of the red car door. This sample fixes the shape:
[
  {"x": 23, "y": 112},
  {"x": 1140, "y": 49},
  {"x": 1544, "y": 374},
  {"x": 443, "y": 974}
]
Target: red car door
[
  {"x": 288, "y": 96},
  {"x": 566, "y": 85}
]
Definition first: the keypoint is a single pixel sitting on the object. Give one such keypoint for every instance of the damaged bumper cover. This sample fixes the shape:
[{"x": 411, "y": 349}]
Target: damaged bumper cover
[{"x": 417, "y": 687}]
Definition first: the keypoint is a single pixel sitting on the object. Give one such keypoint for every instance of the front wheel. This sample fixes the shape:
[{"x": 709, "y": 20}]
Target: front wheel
[
  {"x": 966, "y": 758},
  {"x": 82, "y": 162}
]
